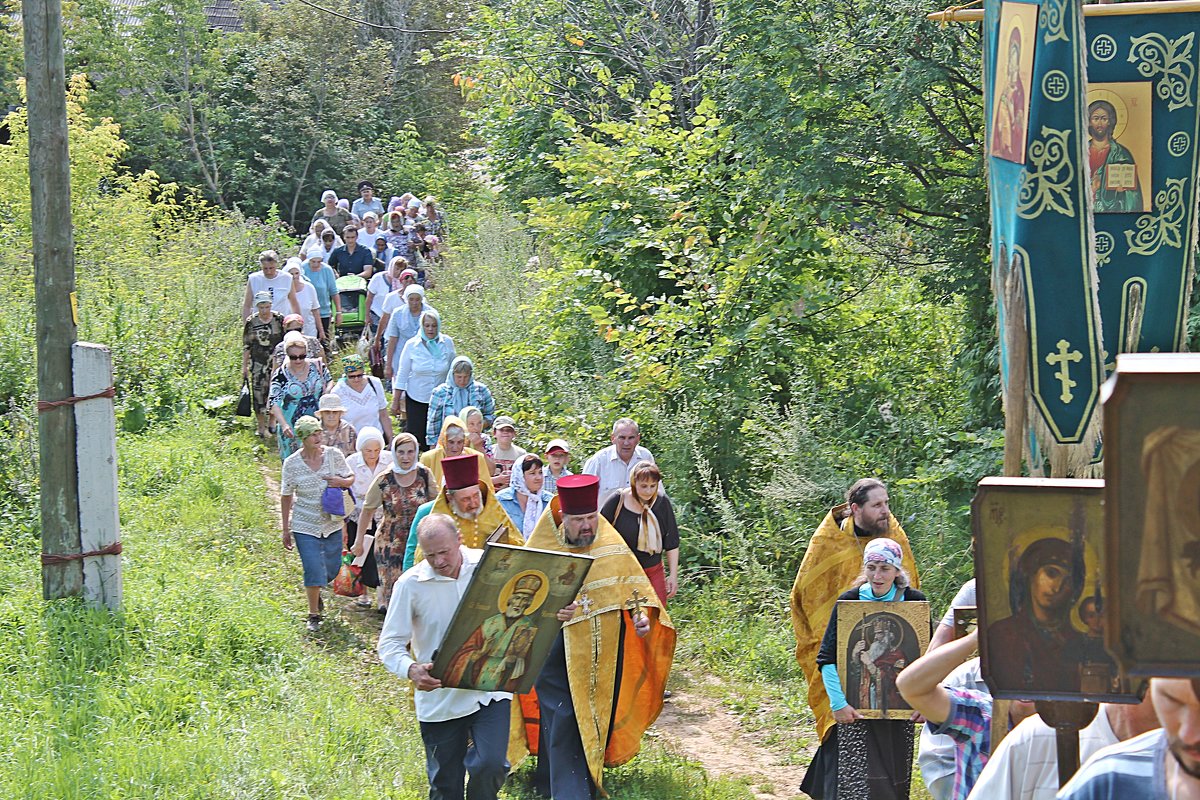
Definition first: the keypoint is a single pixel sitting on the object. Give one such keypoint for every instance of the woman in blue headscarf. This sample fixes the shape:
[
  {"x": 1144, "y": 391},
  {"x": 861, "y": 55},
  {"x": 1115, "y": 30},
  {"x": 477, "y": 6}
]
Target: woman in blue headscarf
[
  {"x": 424, "y": 360},
  {"x": 460, "y": 391}
]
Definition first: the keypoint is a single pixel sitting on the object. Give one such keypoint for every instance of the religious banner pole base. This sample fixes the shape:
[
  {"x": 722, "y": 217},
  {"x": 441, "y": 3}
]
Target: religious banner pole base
[{"x": 1067, "y": 719}]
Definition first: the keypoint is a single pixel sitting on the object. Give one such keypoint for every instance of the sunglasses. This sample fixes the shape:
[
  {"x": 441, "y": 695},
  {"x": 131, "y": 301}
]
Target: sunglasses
[
  {"x": 296, "y": 356},
  {"x": 354, "y": 375}
]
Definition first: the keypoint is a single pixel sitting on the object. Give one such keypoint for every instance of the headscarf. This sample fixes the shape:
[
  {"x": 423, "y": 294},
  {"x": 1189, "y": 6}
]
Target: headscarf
[
  {"x": 354, "y": 363},
  {"x": 405, "y": 437},
  {"x": 435, "y": 343},
  {"x": 450, "y": 421},
  {"x": 306, "y": 426},
  {"x": 460, "y": 396},
  {"x": 367, "y": 435},
  {"x": 534, "y": 504},
  {"x": 649, "y": 531},
  {"x": 883, "y": 550},
  {"x": 294, "y": 337},
  {"x": 466, "y": 412}
]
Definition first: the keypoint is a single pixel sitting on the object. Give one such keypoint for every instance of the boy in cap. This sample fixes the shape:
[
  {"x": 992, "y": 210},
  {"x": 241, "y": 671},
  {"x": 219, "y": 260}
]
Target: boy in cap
[{"x": 558, "y": 455}]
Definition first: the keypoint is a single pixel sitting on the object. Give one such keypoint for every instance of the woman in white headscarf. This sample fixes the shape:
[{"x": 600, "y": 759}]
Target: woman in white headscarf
[
  {"x": 314, "y": 237},
  {"x": 367, "y": 464},
  {"x": 524, "y": 498},
  {"x": 398, "y": 493},
  {"x": 645, "y": 519}
]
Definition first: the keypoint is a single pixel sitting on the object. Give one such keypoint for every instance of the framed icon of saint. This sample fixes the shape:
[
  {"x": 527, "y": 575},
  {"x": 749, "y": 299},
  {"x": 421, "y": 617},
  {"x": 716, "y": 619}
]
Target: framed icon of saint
[
  {"x": 876, "y": 641},
  {"x": 506, "y": 621}
]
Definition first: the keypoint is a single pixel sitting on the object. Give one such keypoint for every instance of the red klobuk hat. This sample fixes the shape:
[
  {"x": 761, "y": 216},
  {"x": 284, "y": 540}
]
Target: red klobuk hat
[
  {"x": 461, "y": 472},
  {"x": 579, "y": 494}
]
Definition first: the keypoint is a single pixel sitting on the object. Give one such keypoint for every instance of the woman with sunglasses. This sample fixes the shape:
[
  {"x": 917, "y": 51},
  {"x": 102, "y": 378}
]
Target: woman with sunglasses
[
  {"x": 363, "y": 395},
  {"x": 296, "y": 390}
]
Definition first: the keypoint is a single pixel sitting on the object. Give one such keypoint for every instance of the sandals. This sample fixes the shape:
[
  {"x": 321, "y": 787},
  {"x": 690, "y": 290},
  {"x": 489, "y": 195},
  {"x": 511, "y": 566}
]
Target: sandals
[{"x": 314, "y": 623}]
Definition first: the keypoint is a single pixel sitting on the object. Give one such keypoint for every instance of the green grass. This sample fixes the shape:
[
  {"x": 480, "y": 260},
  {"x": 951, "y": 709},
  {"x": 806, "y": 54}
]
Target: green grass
[{"x": 206, "y": 686}]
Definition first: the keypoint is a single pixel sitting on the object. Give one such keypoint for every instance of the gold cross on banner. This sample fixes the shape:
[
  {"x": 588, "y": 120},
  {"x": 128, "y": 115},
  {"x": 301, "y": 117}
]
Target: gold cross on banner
[{"x": 1063, "y": 357}]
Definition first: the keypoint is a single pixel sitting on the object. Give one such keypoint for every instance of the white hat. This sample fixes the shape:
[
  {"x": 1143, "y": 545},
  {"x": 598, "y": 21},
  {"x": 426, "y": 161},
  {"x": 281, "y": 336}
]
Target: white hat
[
  {"x": 558, "y": 444},
  {"x": 315, "y": 252},
  {"x": 370, "y": 215},
  {"x": 413, "y": 288},
  {"x": 330, "y": 402},
  {"x": 262, "y": 297}
]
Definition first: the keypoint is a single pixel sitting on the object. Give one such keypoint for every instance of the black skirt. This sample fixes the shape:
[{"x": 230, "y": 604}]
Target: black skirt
[{"x": 865, "y": 760}]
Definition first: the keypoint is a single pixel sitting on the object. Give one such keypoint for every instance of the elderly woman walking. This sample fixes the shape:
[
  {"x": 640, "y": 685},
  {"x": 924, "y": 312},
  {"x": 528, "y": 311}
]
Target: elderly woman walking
[
  {"x": 315, "y": 535},
  {"x": 460, "y": 390},
  {"x": 260, "y": 335},
  {"x": 331, "y": 213},
  {"x": 453, "y": 442},
  {"x": 295, "y": 322},
  {"x": 425, "y": 358},
  {"x": 368, "y": 463},
  {"x": 366, "y": 403},
  {"x": 397, "y": 493},
  {"x": 296, "y": 391},
  {"x": 400, "y": 322},
  {"x": 338, "y": 432}
]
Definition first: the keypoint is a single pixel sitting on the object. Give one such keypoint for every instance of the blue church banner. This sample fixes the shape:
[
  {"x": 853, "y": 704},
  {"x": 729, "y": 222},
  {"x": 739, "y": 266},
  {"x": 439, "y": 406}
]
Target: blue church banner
[
  {"x": 1142, "y": 163},
  {"x": 1041, "y": 190}
]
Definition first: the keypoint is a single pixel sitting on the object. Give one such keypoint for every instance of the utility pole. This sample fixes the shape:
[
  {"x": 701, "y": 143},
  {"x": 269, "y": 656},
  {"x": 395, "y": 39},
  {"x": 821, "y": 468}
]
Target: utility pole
[{"x": 54, "y": 278}]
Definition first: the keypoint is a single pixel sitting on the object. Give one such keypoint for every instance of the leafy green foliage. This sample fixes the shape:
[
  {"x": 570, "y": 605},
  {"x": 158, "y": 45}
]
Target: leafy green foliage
[{"x": 154, "y": 270}]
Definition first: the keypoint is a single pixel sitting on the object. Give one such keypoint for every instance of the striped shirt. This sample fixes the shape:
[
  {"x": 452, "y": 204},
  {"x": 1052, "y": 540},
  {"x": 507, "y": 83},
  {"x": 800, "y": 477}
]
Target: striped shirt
[
  {"x": 969, "y": 725},
  {"x": 1134, "y": 768}
]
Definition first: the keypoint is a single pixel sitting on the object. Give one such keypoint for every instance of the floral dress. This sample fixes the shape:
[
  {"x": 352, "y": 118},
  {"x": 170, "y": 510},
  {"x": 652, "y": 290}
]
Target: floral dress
[
  {"x": 400, "y": 504},
  {"x": 295, "y": 398},
  {"x": 259, "y": 339}
]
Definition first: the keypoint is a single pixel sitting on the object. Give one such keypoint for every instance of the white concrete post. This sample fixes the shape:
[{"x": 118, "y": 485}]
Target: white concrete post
[{"x": 96, "y": 451}]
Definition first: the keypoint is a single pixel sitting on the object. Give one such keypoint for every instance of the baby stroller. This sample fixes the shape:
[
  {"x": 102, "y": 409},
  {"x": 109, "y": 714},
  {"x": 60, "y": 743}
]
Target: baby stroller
[{"x": 352, "y": 302}]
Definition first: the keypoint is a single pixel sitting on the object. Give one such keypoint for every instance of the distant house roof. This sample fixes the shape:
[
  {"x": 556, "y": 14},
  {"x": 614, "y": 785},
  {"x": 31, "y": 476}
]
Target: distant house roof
[{"x": 222, "y": 15}]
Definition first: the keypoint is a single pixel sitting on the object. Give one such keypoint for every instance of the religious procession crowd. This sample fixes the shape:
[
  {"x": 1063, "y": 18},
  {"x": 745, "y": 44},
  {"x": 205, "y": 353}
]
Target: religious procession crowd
[
  {"x": 403, "y": 463},
  {"x": 427, "y": 493}
]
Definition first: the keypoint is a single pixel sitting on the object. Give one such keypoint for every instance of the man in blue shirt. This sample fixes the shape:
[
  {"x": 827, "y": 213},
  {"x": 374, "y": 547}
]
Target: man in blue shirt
[{"x": 351, "y": 258}]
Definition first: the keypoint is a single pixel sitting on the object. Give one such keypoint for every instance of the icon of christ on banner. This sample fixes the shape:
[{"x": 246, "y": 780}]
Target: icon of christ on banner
[
  {"x": 1118, "y": 118},
  {"x": 1014, "y": 65}
]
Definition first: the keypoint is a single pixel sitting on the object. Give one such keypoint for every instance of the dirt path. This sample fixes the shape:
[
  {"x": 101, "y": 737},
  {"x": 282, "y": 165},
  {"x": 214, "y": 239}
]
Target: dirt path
[{"x": 699, "y": 728}]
